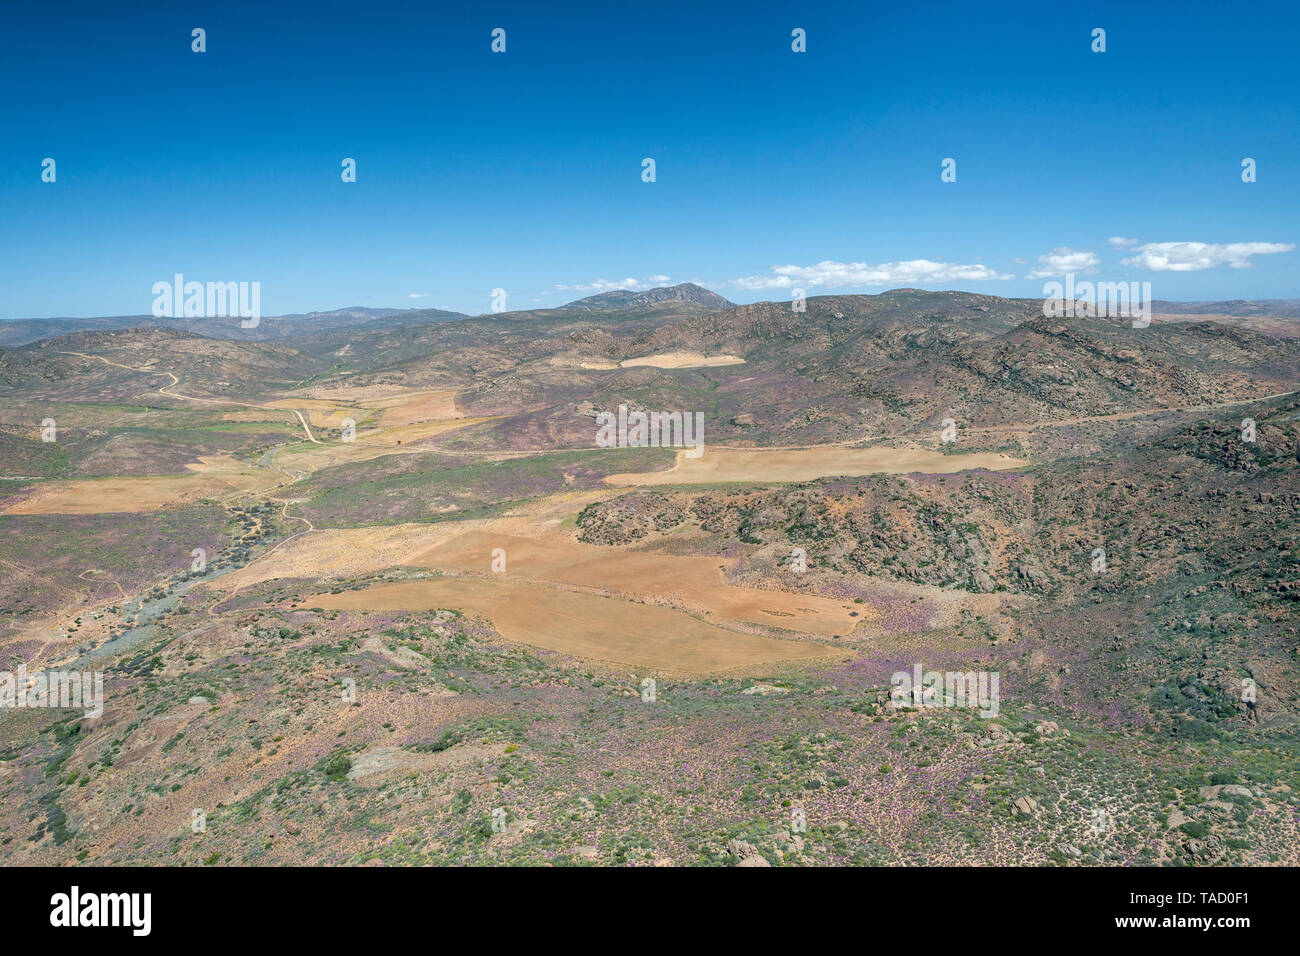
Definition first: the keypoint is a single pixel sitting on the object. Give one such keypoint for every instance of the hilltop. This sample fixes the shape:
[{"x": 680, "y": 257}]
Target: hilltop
[{"x": 686, "y": 294}]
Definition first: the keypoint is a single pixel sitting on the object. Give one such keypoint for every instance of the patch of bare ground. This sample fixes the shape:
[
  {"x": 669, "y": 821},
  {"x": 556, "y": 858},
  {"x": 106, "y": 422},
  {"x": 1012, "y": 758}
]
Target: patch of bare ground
[
  {"x": 681, "y": 360},
  {"x": 583, "y": 625},
  {"x": 536, "y": 550},
  {"x": 381, "y": 766},
  {"x": 806, "y": 464},
  {"x": 210, "y": 476}
]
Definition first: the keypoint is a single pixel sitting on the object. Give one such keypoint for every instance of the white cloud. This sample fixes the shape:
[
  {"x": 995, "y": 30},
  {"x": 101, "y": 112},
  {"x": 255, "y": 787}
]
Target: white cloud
[
  {"x": 1195, "y": 256},
  {"x": 418, "y": 295},
  {"x": 1062, "y": 260},
  {"x": 1119, "y": 242},
  {"x": 609, "y": 285},
  {"x": 841, "y": 274}
]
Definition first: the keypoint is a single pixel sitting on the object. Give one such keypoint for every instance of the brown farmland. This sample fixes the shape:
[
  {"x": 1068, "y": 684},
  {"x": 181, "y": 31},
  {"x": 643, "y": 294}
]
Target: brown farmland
[{"x": 585, "y": 625}]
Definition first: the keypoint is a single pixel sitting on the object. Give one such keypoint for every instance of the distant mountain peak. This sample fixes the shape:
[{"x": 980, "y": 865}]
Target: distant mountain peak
[{"x": 684, "y": 292}]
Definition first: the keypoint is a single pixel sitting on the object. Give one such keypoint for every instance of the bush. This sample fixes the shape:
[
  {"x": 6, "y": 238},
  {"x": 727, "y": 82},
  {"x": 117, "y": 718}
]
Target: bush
[{"x": 337, "y": 766}]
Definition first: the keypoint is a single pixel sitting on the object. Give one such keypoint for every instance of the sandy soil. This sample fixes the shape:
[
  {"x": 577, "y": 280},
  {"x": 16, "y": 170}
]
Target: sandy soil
[
  {"x": 339, "y": 553},
  {"x": 412, "y": 407},
  {"x": 213, "y": 475},
  {"x": 805, "y": 464},
  {"x": 667, "y": 360},
  {"x": 681, "y": 360},
  {"x": 695, "y": 583},
  {"x": 594, "y": 628},
  {"x": 536, "y": 552}
]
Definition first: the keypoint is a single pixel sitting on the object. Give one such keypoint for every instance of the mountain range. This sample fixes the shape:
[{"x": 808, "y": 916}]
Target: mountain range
[{"x": 664, "y": 302}]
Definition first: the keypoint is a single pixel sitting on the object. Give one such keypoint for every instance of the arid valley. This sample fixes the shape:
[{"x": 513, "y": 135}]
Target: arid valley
[{"x": 369, "y": 591}]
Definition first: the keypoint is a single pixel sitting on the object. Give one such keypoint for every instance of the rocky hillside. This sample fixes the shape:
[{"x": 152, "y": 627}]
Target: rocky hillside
[
  {"x": 1162, "y": 569},
  {"x": 686, "y": 294}
]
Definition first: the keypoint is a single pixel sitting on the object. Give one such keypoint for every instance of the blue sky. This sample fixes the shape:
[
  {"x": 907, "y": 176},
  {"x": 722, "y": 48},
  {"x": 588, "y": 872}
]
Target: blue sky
[{"x": 522, "y": 170}]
